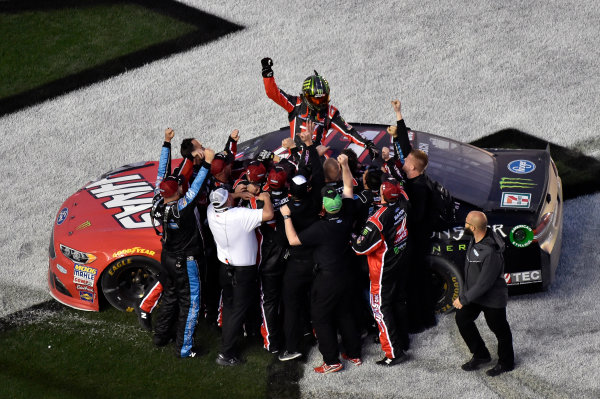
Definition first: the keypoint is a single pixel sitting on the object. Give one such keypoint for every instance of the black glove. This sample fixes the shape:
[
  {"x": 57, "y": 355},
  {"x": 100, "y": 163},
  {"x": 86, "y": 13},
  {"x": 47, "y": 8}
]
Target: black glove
[
  {"x": 267, "y": 71},
  {"x": 373, "y": 151}
]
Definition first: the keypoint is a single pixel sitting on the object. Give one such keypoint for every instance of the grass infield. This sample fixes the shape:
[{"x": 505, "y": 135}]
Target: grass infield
[
  {"x": 56, "y": 352},
  {"x": 41, "y": 46}
]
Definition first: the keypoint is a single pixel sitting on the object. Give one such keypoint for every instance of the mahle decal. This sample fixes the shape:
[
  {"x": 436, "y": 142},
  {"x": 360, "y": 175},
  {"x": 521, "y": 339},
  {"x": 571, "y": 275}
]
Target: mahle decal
[{"x": 516, "y": 182}]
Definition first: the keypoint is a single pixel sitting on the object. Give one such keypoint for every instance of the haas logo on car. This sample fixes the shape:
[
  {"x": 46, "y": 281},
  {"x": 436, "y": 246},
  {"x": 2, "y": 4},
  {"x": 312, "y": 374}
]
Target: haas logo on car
[{"x": 128, "y": 195}]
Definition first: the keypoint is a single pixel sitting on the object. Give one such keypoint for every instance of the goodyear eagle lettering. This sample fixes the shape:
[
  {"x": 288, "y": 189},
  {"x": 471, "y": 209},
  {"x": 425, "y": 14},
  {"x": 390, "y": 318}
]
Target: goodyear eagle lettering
[{"x": 133, "y": 251}]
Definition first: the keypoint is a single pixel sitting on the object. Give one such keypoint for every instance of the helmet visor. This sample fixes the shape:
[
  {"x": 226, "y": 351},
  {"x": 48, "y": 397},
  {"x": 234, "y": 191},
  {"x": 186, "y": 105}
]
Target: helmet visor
[{"x": 318, "y": 100}]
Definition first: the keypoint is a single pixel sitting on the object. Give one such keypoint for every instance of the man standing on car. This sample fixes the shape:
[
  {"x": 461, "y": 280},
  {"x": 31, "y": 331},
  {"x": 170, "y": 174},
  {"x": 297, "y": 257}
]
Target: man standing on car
[
  {"x": 311, "y": 105},
  {"x": 181, "y": 252},
  {"x": 485, "y": 291},
  {"x": 233, "y": 230}
]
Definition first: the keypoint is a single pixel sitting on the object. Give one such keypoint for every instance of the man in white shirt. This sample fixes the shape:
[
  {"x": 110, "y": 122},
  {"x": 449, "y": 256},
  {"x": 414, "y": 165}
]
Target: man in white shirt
[{"x": 237, "y": 247}]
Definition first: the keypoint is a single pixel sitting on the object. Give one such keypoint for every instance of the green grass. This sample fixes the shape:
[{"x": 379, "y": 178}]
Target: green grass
[
  {"x": 73, "y": 354},
  {"x": 42, "y": 46}
]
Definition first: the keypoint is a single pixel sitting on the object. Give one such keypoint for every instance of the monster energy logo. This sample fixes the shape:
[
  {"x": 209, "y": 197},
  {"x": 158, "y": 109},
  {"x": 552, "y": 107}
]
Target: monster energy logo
[{"x": 515, "y": 182}]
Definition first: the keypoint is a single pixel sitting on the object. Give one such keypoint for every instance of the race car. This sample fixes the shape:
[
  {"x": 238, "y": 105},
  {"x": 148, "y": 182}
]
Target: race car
[{"x": 103, "y": 241}]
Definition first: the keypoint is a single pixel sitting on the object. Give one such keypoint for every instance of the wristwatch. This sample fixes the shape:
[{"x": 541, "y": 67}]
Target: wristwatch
[{"x": 286, "y": 216}]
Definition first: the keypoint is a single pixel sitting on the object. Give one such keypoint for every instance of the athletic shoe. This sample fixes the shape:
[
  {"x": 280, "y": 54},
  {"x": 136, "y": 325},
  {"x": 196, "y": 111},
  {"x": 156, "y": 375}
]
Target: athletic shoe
[
  {"x": 357, "y": 361},
  {"x": 387, "y": 362},
  {"x": 326, "y": 368},
  {"x": 223, "y": 360},
  {"x": 144, "y": 318},
  {"x": 475, "y": 362},
  {"x": 273, "y": 349},
  {"x": 499, "y": 369},
  {"x": 285, "y": 356}
]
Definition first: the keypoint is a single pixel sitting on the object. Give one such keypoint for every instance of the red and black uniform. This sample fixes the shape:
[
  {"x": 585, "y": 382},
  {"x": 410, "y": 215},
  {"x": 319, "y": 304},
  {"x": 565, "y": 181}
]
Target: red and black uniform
[
  {"x": 299, "y": 113},
  {"x": 384, "y": 240}
]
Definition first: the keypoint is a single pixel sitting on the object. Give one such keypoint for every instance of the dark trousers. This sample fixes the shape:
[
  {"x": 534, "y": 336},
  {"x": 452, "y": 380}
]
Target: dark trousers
[
  {"x": 421, "y": 305},
  {"x": 180, "y": 302},
  {"x": 331, "y": 310},
  {"x": 496, "y": 321},
  {"x": 238, "y": 293},
  {"x": 297, "y": 280},
  {"x": 270, "y": 274}
]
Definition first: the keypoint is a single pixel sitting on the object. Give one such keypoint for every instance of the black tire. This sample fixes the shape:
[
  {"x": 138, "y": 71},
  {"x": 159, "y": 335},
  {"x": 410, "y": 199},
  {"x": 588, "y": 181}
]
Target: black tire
[
  {"x": 446, "y": 283},
  {"x": 126, "y": 281}
]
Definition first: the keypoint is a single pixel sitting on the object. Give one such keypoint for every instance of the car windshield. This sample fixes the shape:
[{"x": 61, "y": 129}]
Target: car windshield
[{"x": 466, "y": 171}]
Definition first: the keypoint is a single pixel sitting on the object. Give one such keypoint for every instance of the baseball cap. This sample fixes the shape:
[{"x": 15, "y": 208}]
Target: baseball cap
[
  {"x": 390, "y": 190},
  {"x": 256, "y": 172},
  {"x": 332, "y": 202},
  {"x": 277, "y": 177},
  {"x": 168, "y": 187},
  {"x": 218, "y": 197},
  {"x": 299, "y": 186}
]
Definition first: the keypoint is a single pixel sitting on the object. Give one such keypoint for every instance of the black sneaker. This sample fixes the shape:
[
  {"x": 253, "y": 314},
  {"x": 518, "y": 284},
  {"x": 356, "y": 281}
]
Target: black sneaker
[
  {"x": 475, "y": 362},
  {"x": 285, "y": 356},
  {"x": 223, "y": 360},
  {"x": 144, "y": 318},
  {"x": 386, "y": 361},
  {"x": 499, "y": 369}
]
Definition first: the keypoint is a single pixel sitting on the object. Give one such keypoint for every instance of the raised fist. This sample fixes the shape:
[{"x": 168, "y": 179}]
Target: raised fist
[{"x": 267, "y": 71}]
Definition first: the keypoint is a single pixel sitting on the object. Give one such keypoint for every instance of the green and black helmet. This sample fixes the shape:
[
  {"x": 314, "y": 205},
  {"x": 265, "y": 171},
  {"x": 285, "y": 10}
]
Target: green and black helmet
[{"x": 315, "y": 92}]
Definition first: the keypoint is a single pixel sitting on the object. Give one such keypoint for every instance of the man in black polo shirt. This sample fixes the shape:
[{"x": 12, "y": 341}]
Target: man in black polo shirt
[{"x": 330, "y": 238}]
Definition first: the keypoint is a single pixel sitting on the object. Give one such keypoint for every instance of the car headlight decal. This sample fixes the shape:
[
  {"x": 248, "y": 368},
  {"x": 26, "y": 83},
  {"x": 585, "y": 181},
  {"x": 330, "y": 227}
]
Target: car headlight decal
[{"x": 77, "y": 256}]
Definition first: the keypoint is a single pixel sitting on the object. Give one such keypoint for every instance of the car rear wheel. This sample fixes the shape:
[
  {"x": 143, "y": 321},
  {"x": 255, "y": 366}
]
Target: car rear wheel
[
  {"x": 125, "y": 281},
  {"x": 447, "y": 283}
]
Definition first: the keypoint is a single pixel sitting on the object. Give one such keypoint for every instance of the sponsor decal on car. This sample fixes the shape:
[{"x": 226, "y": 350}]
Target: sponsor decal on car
[
  {"x": 516, "y": 182},
  {"x": 83, "y": 274},
  {"x": 86, "y": 296},
  {"x": 128, "y": 195},
  {"x": 84, "y": 288},
  {"x": 521, "y": 166},
  {"x": 458, "y": 232},
  {"x": 437, "y": 249},
  {"x": 521, "y": 236},
  {"x": 61, "y": 269},
  {"x": 133, "y": 251},
  {"x": 118, "y": 265},
  {"x": 516, "y": 200},
  {"x": 62, "y": 216},
  {"x": 530, "y": 277},
  {"x": 83, "y": 225}
]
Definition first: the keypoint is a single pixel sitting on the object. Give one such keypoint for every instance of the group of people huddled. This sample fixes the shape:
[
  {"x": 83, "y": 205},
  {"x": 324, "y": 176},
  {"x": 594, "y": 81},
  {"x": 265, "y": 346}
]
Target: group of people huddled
[{"x": 307, "y": 245}]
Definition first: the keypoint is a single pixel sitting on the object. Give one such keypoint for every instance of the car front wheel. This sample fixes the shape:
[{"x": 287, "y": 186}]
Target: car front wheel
[{"x": 125, "y": 281}]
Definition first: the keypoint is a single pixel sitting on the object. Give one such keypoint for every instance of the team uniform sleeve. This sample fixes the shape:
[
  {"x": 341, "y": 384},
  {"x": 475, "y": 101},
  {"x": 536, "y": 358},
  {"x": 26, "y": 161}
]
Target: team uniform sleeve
[
  {"x": 338, "y": 123},
  {"x": 402, "y": 144},
  {"x": 164, "y": 165},
  {"x": 368, "y": 241},
  {"x": 194, "y": 188},
  {"x": 491, "y": 268},
  {"x": 282, "y": 99}
]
